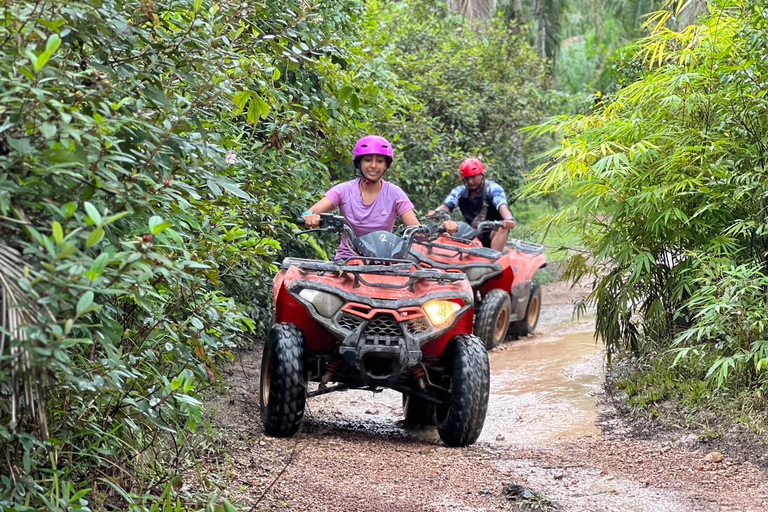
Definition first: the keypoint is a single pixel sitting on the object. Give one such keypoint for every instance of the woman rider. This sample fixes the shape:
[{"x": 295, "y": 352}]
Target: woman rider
[{"x": 368, "y": 202}]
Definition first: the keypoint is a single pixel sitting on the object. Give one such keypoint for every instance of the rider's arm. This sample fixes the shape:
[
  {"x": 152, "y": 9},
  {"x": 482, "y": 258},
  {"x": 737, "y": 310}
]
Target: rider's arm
[
  {"x": 322, "y": 206},
  {"x": 409, "y": 218},
  {"x": 506, "y": 217},
  {"x": 441, "y": 207},
  {"x": 499, "y": 199},
  {"x": 450, "y": 202},
  {"x": 312, "y": 216}
]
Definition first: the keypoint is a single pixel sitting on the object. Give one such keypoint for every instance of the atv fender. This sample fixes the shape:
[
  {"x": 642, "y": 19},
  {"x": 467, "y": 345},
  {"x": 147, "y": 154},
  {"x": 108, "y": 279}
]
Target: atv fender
[{"x": 521, "y": 293}]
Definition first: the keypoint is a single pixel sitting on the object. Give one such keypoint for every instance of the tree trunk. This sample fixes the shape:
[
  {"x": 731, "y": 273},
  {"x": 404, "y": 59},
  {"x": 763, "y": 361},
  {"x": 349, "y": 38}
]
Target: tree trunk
[{"x": 474, "y": 9}]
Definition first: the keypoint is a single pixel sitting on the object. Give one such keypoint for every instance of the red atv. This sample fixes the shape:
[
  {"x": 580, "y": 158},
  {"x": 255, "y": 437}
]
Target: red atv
[
  {"x": 506, "y": 296},
  {"x": 370, "y": 322}
]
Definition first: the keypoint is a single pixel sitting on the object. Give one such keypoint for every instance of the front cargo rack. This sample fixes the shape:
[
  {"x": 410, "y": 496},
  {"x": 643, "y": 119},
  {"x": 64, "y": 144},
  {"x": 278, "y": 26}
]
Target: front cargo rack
[{"x": 373, "y": 266}]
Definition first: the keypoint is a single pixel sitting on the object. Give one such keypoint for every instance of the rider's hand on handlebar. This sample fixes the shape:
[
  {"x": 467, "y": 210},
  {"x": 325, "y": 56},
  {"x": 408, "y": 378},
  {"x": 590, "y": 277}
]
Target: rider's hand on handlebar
[
  {"x": 508, "y": 224},
  {"x": 431, "y": 214},
  {"x": 312, "y": 221},
  {"x": 450, "y": 227}
]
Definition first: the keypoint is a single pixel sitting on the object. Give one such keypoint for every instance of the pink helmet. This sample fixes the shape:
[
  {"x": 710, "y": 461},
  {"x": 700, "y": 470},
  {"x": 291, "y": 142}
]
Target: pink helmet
[{"x": 373, "y": 145}]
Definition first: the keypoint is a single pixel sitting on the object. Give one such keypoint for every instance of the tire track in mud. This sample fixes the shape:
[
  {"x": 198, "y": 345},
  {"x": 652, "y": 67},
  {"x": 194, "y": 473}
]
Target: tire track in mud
[{"x": 354, "y": 454}]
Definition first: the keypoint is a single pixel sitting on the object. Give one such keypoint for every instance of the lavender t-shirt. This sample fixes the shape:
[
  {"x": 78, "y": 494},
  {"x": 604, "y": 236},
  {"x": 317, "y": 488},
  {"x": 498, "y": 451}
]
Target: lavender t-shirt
[{"x": 390, "y": 204}]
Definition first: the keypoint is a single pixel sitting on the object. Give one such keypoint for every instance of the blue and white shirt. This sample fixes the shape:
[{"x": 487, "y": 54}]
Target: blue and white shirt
[{"x": 496, "y": 195}]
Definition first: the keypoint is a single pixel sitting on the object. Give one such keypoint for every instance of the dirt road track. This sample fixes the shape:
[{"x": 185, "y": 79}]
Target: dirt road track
[{"x": 353, "y": 455}]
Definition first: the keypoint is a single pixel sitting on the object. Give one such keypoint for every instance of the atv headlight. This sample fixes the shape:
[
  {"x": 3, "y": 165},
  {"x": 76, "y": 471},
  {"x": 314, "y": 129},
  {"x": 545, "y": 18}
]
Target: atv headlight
[
  {"x": 440, "y": 312},
  {"x": 475, "y": 273},
  {"x": 327, "y": 304}
]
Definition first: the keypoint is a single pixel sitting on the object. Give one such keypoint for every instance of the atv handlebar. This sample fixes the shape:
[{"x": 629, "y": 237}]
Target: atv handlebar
[
  {"x": 332, "y": 223},
  {"x": 423, "y": 230},
  {"x": 440, "y": 215},
  {"x": 339, "y": 224},
  {"x": 489, "y": 225}
]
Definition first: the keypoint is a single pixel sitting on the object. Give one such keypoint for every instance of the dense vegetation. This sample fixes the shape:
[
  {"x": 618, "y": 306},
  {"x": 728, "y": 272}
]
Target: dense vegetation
[
  {"x": 476, "y": 89},
  {"x": 152, "y": 157},
  {"x": 668, "y": 180}
]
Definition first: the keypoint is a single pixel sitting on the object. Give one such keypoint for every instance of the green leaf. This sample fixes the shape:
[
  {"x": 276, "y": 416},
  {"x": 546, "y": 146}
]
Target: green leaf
[
  {"x": 53, "y": 43},
  {"x": 177, "y": 382},
  {"x": 240, "y": 99},
  {"x": 345, "y": 92},
  {"x": 233, "y": 188},
  {"x": 157, "y": 226},
  {"x": 58, "y": 233},
  {"x": 115, "y": 217},
  {"x": 48, "y": 130},
  {"x": 93, "y": 213},
  {"x": 257, "y": 109},
  {"x": 95, "y": 237},
  {"x": 66, "y": 250},
  {"x": 20, "y": 145},
  {"x": 69, "y": 209},
  {"x": 98, "y": 266},
  {"x": 60, "y": 156},
  {"x": 85, "y": 302}
]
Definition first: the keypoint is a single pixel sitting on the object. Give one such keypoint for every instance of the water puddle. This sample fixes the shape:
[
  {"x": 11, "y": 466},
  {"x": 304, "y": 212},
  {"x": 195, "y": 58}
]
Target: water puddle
[{"x": 542, "y": 389}]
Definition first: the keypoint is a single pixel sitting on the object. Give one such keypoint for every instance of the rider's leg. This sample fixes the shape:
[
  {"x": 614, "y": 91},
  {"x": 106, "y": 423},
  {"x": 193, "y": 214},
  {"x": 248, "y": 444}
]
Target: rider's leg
[{"x": 499, "y": 239}]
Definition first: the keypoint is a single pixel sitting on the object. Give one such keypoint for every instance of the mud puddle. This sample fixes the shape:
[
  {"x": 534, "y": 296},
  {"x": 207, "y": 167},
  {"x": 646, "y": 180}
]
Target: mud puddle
[{"x": 543, "y": 389}]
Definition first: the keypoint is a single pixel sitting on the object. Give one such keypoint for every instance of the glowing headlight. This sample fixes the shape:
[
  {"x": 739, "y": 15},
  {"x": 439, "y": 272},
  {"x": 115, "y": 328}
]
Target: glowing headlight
[
  {"x": 440, "y": 311},
  {"x": 475, "y": 273},
  {"x": 327, "y": 304}
]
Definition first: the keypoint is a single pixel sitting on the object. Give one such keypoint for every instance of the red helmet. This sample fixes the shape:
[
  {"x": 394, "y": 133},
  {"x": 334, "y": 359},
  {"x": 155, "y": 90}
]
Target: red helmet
[{"x": 471, "y": 167}]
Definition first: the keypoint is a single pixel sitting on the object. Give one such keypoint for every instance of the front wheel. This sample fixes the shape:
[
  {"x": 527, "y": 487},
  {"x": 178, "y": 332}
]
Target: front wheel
[
  {"x": 283, "y": 391},
  {"x": 493, "y": 318},
  {"x": 527, "y": 325},
  {"x": 460, "y": 421}
]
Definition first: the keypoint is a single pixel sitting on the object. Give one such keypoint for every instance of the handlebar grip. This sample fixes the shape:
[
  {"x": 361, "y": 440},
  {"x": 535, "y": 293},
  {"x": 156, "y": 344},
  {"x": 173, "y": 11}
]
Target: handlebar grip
[
  {"x": 300, "y": 221},
  {"x": 442, "y": 229}
]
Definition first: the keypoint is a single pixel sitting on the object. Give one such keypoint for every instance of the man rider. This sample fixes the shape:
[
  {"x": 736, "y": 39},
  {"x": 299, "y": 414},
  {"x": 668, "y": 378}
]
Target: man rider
[{"x": 480, "y": 199}]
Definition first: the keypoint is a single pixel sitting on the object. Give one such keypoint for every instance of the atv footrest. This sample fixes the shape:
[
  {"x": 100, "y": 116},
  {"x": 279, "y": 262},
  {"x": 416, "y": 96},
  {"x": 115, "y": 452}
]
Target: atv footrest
[{"x": 424, "y": 396}]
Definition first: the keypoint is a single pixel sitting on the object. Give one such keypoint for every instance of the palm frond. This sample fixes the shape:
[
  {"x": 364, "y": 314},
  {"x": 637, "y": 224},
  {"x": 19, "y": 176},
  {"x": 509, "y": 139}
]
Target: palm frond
[{"x": 16, "y": 311}]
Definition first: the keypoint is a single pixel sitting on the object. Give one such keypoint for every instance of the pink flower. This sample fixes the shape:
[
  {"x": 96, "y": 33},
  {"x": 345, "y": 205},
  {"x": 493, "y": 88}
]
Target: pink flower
[{"x": 231, "y": 158}]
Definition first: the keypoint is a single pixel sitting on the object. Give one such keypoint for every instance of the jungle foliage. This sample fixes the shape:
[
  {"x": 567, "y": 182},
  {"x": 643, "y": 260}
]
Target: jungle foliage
[
  {"x": 152, "y": 157},
  {"x": 475, "y": 86},
  {"x": 668, "y": 180}
]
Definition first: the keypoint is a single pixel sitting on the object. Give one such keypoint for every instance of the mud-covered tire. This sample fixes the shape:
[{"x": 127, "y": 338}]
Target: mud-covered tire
[
  {"x": 417, "y": 412},
  {"x": 460, "y": 422},
  {"x": 492, "y": 322},
  {"x": 283, "y": 387},
  {"x": 528, "y": 323}
]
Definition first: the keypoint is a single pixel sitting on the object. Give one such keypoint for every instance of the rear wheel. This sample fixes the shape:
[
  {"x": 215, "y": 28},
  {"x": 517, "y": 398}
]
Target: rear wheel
[
  {"x": 417, "y": 411},
  {"x": 283, "y": 391},
  {"x": 493, "y": 316},
  {"x": 528, "y": 324},
  {"x": 460, "y": 421}
]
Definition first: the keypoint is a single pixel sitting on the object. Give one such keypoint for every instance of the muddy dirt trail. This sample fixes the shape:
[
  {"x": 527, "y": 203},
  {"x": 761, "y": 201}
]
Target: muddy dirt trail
[{"x": 542, "y": 446}]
